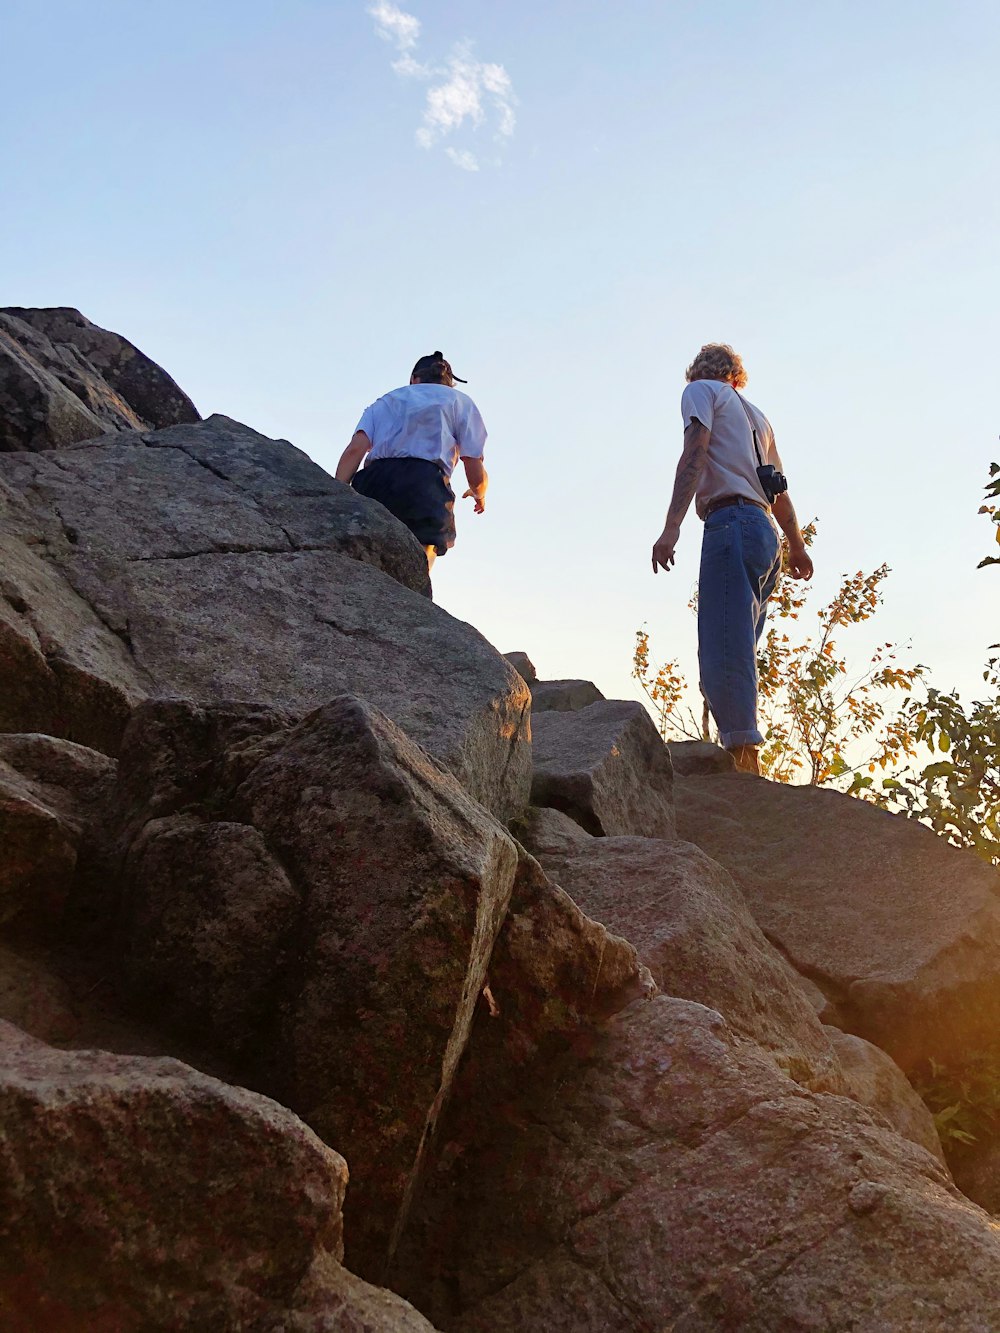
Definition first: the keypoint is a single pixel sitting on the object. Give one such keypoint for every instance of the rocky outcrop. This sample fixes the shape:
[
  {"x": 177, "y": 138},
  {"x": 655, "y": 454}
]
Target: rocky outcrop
[
  {"x": 693, "y": 931},
  {"x": 871, "y": 1078},
  {"x": 554, "y": 975},
  {"x": 524, "y": 666},
  {"x": 671, "y": 1177},
  {"x": 63, "y": 379},
  {"x": 48, "y": 790},
  {"x": 210, "y": 488},
  {"x": 211, "y": 563},
  {"x": 899, "y": 930},
  {"x": 606, "y": 767},
  {"x": 34, "y": 999},
  {"x": 319, "y": 904},
  {"x": 548, "y": 833},
  {"x": 977, "y": 1173},
  {"x": 563, "y": 696},
  {"x": 300, "y": 879},
  {"x": 140, "y": 1195},
  {"x": 322, "y": 906},
  {"x": 692, "y": 759},
  {"x": 62, "y": 670}
]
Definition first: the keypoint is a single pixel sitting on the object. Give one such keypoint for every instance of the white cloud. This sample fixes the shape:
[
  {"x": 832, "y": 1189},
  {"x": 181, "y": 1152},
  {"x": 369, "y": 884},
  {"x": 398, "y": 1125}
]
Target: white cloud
[
  {"x": 394, "y": 25},
  {"x": 469, "y": 90},
  {"x": 465, "y": 94},
  {"x": 408, "y": 68},
  {"x": 463, "y": 158}
]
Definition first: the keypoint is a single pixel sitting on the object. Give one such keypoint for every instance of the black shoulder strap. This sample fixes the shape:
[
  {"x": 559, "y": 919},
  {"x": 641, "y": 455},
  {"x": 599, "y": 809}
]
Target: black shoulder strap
[{"x": 753, "y": 427}]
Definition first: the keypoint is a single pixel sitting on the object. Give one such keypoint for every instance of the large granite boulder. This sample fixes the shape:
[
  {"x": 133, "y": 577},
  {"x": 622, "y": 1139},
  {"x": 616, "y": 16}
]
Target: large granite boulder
[
  {"x": 63, "y": 379},
  {"x": 692, "y": 929},
  {"x": 871, "y": 1078},
  {"x": 672, "y": 1177},
  {"x": 899, "y": 930},
  {"x": 694, "y": 759},
  {"x": 62, "y": 670},
  {"x": 606, "y": 767},
  {"x": 524, "y": 666},
  {"x": 49, "y": 790},
  {"x": 213, "y": 487},
  {"x": 977, "y": 1173},
  {"x": 209, "y": 562},
  {"x": 319, "y": 905},
  {"x": 563, "y": 696},
  {"x": 34, "y": 998},
  {"x": 138, "y": 1195}
]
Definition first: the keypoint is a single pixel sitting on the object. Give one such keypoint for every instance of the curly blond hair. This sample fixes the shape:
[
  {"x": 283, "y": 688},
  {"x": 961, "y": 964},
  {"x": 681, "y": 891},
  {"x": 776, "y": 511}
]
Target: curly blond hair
[{"x": 718, "y": 361}]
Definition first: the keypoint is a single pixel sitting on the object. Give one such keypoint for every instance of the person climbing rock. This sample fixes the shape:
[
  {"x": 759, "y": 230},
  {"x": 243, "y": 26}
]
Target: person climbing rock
[
  {"x": 413, "y": 438},
  {"x": 730, "y": 467}
]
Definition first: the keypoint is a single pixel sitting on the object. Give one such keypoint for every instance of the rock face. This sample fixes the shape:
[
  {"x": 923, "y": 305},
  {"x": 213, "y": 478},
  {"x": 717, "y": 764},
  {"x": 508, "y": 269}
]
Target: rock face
[
  {"x": 563, "y": 696},
  {"x": 692, "y": 759},
  {"x": 693, "y": 931},
  {"x": 673, "y": 1178},
  {"x": 606, "y": 767},
  {"x": 319, "y": 903},
  {"x": 141, "y": 1195},
  {"x": 900, "y": 931},
  {"x": 524, "y": 666},
  {"x": 48, "y": 789},
  {"x": 33, "y": 999},
  {"x": 208, "y": 562},
  {"x": 554, "y": 974},
  {"x": 63, "y": 379},
  {"x": 298, "y": 874},
  {"x": 62, "y": 670},
  {"x": 325, "y": 914},
  {"x": 875, "y": 1081},
  {"x": 977, "y": 1174},
  {"x": 210, "y": 488}
]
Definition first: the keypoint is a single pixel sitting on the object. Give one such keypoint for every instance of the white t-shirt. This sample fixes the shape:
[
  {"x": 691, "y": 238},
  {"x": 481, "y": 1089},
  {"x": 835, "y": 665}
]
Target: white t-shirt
[
  {"x": 429, "y": 421},
  {"x": 731, "y": 468}
]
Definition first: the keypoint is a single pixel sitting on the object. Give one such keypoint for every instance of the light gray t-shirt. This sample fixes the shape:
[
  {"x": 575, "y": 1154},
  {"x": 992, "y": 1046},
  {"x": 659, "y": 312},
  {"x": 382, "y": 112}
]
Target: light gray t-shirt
[
  {"x": 431, "y": 421},
  {"x": 731, "y": 468}
]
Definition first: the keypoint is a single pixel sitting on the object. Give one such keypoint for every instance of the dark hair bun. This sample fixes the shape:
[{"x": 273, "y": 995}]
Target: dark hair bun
[{"x": 439, "y": 356}]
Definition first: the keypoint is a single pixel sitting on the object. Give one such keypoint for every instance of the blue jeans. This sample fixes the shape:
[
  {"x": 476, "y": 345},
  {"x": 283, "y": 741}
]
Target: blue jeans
[{"x": 740, "y": 560}]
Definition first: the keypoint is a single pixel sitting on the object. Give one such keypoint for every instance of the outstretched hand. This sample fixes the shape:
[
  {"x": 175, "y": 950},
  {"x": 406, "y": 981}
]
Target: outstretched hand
[{"x": 479, "y": 499}]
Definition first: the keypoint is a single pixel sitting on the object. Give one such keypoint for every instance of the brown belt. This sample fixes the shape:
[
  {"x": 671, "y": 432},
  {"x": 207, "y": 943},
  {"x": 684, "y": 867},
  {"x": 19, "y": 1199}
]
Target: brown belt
[{"x": 724, "y": 500}]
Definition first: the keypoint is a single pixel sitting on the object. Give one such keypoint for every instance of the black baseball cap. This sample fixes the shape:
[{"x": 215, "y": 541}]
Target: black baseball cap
[{"x": 436, "y": 362}]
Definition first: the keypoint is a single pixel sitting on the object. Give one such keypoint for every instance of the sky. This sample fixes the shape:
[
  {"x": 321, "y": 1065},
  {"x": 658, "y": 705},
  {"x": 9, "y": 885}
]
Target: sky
[{"x": 285, "y": 204}]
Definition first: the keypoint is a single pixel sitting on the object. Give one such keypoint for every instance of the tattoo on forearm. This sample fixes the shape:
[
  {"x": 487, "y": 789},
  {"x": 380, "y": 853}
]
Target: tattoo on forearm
[
  {"x": 787, "y": 518},
  {"x": 689, "y": 469}
]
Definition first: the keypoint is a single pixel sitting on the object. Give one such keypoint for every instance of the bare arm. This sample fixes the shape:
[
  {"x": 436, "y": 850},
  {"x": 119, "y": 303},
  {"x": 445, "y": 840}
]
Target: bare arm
[
  {"x": 475, "y": 475},
  {"x": 800, "y": 564},
  {"x": 689, "y": 469},
  {"x": 353, "y": 456}
]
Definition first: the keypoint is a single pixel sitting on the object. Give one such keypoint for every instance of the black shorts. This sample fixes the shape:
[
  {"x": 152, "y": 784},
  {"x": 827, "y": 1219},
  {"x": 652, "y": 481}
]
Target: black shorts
[{"x": 416, "y": 491}]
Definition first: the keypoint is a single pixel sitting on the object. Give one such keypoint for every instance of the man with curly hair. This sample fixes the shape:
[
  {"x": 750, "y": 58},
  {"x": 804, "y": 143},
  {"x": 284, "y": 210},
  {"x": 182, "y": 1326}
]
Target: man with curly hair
[{"x": 726, "y": 441}]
